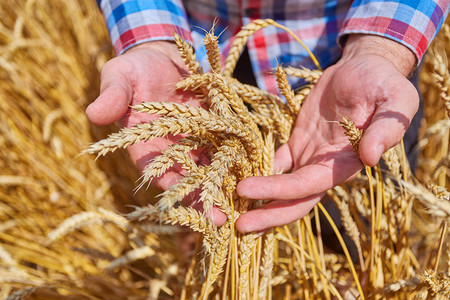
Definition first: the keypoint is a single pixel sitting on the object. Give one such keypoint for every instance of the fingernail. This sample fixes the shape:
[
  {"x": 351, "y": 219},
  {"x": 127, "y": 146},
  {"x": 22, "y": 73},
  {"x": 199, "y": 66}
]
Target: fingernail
[{"x": 260, "y": 233}]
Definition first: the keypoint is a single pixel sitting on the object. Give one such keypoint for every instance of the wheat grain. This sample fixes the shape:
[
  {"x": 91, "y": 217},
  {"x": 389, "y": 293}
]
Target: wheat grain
[
  {"x": 286, "y": 90},
  {"x": 235, "y": 102},
  {"x": 268, "y": 154},
  {"x": 159, "y": 128},
  {"x": 246, "y": 244},
  {"x": 438, "y": 284},
  {"x": 177, "y": 153},
  {"x": 301, "y": 94},
  {"x": 228, "y": 155},
  {"x": 195, "y": 83},
  {"x": 219, "y": 103},
  {"x": 171, "y": 109},
  {"x": 351, "y": 228},
  {"x": 213, "y": 51},
  {"x": 266, "y": 268},
  {"x": 188, "y": 216},
  {"x": 392, "y": 161},
  {"x": 176, "y": 193},
  {"x": 220, "y": 249},
  {"x": 188, "y": 55},
  {"x": 354, "y": 134}
]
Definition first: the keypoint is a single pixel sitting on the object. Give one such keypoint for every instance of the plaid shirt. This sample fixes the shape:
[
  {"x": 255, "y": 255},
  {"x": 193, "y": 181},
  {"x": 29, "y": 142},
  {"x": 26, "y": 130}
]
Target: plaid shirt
[{"x": 321, "y": 24}]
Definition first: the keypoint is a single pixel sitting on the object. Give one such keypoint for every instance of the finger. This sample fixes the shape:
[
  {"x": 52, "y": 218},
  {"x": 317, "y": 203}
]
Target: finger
[
  {"x": 214, "y": 214},
  {"x": 112, "y": 103},
  {"x": 304, "y": 182},
  {"x": 276, "y": 213},
  {"x": 390, "y": 121},
  {"x": 282, "y": 160}
]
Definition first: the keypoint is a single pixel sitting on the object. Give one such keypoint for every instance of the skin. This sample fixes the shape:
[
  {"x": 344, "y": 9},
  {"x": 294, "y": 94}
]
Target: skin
[{"x": 369, "y": 85}]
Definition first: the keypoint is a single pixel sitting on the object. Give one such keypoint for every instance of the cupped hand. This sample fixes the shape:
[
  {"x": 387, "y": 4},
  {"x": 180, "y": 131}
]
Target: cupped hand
[
  {"x": 147, "y": 72},
  {"x": 368, "y": 85}
]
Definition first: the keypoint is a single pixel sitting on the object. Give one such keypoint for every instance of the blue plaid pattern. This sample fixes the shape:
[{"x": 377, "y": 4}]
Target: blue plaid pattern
[{"x": 321, "y": 24}]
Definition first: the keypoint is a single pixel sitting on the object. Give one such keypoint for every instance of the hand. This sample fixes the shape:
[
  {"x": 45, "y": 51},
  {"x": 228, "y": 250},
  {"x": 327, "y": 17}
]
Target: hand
[
  {"x": 369, "y": 86},
  {"x": 147, "y": 72}
]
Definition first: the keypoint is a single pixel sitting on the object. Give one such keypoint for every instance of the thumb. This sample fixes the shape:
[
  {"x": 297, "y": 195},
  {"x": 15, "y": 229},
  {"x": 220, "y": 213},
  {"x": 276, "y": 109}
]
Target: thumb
[
  {"x": 112, "y": 103},
  {"x": 390, "y": 120}
]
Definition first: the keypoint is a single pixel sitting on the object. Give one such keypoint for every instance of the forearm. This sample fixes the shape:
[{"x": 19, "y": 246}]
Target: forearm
[
  {"x": 133, "y": 22},
  {"x": 414, "y": 24},
  {"x": 396, "y": 53}
]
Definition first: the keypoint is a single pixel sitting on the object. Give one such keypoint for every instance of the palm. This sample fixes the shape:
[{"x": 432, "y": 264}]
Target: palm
[
  {"x": 143, "y": 74},
  {"x": 370, "y": 92}
]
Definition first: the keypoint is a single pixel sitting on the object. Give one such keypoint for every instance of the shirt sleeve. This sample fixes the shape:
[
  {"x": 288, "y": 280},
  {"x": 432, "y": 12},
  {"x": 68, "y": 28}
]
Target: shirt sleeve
[
  {"x": 132, "y": 22},
  {"x": 413, "y": 23}
]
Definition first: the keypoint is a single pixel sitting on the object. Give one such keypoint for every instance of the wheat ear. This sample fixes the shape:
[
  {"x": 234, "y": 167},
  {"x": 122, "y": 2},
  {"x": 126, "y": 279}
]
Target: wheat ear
[
  {"x": 176, "y": 193},
  {"x": 213, "y": 51},
  {"x": 354, "y": 134},
  {"x": 130, "y": 256},
  {"x": 309, "y": 75},
  {"x": 286, "y": 90},
  {"x": 266, "y": 269},
  {"x": 188, "y": 55},
  {"x": 239, "y": 42},
  {"x": 177, "y": 153},
  {"x": 441, "y": 77}
]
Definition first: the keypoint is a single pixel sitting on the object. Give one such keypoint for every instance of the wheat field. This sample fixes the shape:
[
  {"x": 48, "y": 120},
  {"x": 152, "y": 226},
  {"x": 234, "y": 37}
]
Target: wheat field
[{"x": 76, "y": 227}]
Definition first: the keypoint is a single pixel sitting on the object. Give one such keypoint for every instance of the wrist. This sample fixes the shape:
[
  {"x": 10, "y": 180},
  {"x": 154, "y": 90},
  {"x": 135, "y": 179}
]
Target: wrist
[
  {"x": 400, "y": 56},
  {"x": 164, "y": 48}
]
